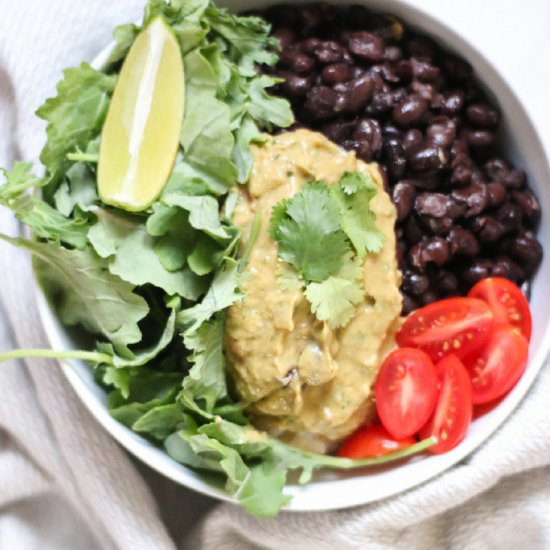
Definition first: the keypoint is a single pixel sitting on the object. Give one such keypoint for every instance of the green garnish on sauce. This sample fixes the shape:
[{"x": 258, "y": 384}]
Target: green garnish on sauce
[{"x": 324, "y": 232}]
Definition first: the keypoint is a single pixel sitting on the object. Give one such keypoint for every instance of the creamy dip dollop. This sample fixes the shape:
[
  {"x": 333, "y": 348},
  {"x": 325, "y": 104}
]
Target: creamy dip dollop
[{"x": 299, "y": 379}]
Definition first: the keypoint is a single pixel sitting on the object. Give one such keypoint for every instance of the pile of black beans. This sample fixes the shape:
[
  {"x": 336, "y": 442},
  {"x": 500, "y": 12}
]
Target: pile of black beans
[{"x": 395, "y": 96}]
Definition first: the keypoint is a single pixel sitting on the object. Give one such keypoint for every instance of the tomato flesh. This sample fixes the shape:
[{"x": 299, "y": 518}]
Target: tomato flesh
[
  {"x": 453, "y": 326},
  {"x": 497, "y": 368},
  {"x": 372, "y": 441},
  {"x": 454, "y": 408},
  {"x": 406, "y": 391},
  {"x": 507, "y": 302}
]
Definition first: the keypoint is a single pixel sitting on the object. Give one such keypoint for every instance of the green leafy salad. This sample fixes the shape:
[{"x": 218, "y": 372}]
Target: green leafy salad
[{"x": 152, "y": 287}]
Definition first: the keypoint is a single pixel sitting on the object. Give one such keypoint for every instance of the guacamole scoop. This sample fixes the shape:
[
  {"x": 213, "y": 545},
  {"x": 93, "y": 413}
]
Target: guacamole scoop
[{"x": 299, "y": 379}]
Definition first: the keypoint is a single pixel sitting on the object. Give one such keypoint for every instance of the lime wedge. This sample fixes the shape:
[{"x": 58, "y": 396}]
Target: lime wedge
[{"x": 141, "y": 133}]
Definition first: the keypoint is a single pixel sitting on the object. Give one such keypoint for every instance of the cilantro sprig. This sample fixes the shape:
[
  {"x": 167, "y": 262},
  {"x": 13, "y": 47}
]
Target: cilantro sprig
[{"x": 323, "y": 232}]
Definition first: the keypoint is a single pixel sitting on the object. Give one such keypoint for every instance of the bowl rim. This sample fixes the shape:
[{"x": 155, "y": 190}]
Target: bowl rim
[{"x": 158, "y": 459}]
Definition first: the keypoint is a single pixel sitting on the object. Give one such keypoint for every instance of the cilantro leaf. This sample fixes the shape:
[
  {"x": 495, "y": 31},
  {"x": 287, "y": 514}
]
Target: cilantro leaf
[
  {"x": 307, "y": 230},
  {"x": 353, "y": 193},
  {"x": 351, "y": 182},
  {"x": 268, "y": 109},
  {"x": 334, "y": 300}
]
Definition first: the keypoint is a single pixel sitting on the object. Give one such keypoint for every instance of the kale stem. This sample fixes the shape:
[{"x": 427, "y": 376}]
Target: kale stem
[
  {"x": 92, "y": 356},
  {"x": 252, "y": 238},
  {"x": 83, "y": 157}
]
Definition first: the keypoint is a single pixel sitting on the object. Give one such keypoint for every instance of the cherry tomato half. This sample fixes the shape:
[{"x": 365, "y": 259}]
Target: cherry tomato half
[
  {"x": 372, "y": 441},
  {"x": 455, "y": 325},
  {"x": 453, "y": 411},
  {"x": 496, "y": 369},
  {"x": 507, "y": 302},
  {"x": 406, "y": 391}
]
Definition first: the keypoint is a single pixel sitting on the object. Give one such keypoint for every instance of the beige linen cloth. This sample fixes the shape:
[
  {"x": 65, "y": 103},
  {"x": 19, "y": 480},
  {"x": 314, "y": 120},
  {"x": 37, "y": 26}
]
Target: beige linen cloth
[{"x": 64, "y": 483}]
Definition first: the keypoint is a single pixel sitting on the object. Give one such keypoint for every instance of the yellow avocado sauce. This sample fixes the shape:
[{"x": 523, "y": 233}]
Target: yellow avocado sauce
[{"x": 299, "y": 379}]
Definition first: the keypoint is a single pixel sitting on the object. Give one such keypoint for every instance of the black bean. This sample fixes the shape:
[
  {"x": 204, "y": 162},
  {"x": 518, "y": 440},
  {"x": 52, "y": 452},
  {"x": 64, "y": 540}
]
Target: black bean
[
  {"x": 496, "y": 193},
  {"x": 479, "y": 138},
  {"x": 296, "y": 61},
  {"x": 474, "y": 197},
  {"x": 414, "y": 283},
  {"x": 413, "y": 230},
  {"x": 436, "y": 205},
  {"x": 391, "y": 130},
  {"x": 410, "y": 110},
  {"x": 399, "y": 95},
  {"x": 401, "y": 252},
  {"x": 459, "y": 150},
  {"x": 320, "y": 102},
  {"x": 424, "y": 71},
  {"x": 429, "y": 297},
  {"x": 457, "y": 68},
  {"x": 433, "y": 250},
  {"x": 462, "y": 242},
  {"x": 425, "y": 91},
  {"x": 480, "y": 268},
  {"x": 329, "y": 52},
  {"x": 412, "y": 139},
  {"x": 336, "y": 73},
  {"x": 441, "y": 131},
  {"x": 392, "y": 53},
  {"x": 438, "y": 226},
  {"x": 403, "y": 70},
  {"x": 387, "y": 70},
  {"x": 515, "y": 179},
  {"x": 452, "y": 102},
  {"x": 366, "y": 45},
  {"x": 403, "y": 197},
  {"x": 296, "y": 86},
  {"x": 409, "y": 304},
  {"x": 507, "y": 268},
  {"x": 427, "y": 158},
  {"x": 488, "y": 229},
  {"x": 528, "y": 203},
  {"x": 362, "y": 148},
  {"x": 510, "y": 216},
  {"x": 446, "y": 282},
  {"x": 462, "y": 173},
  {"x": 369, "y": 129},
  {"x": 482, "y": 115},
  {"x": 396, "y": 162},
  {"x": 429, "y": 181},
  {"x": 497, "y": 168},
  {"x": 285, "y": 35},
  {"x": 338, "y": 130},
  {"x": 308, "y": 46},
  {"x": 526, "y": 250},
  {"x": 478, "y": 178},
  {"x": 381, "y": 103},
  {"x": 421, "y": 46},
  {"x": 355, "y": 96}
]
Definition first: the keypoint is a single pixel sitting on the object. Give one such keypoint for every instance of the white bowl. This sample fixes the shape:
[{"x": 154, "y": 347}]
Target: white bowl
[{"x": 331, "y": 490}]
